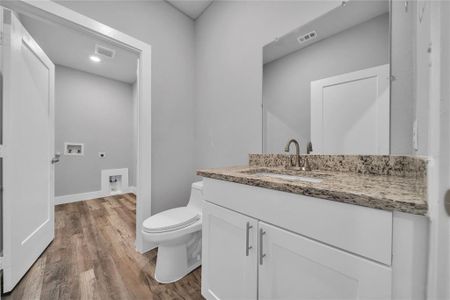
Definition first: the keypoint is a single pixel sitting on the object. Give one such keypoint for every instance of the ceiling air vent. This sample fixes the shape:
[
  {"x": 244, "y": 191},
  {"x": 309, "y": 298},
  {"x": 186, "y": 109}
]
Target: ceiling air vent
[
  {"x": 307, "y": 37},
  {"x": 105, "y": 52}
]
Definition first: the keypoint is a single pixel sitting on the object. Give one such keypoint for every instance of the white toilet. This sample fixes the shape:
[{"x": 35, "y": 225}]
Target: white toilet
[{"x": 178, "y": 233}]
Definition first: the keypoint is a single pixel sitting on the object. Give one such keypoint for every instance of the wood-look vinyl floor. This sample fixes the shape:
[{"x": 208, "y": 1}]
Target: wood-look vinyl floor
[{"x": 93, "y": 257}]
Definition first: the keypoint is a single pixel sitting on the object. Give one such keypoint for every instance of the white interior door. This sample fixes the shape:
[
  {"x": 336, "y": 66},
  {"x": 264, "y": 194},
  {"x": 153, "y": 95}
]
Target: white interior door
[
  {"x": 295, "y": 267},
  {"x": 350, "y": 113},
  {"x": 28, "y": 147}
]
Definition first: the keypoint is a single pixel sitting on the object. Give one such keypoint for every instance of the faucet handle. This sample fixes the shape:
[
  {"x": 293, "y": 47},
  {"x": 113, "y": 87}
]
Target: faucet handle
[{"x": 309, "y": 148}]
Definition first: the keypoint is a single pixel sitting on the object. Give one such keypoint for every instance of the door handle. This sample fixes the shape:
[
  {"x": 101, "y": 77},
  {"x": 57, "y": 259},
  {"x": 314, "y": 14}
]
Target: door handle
[
  {"x": 261, "y": 250},
  {"x": 56, "y": 158},
  {"x": 247, "y": 238},
  {"x": 447, "y": 202}
]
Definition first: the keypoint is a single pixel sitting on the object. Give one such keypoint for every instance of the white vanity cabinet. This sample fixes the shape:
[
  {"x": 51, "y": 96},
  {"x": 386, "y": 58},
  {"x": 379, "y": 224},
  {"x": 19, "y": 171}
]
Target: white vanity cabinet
[{"x": 265, "y": 244}]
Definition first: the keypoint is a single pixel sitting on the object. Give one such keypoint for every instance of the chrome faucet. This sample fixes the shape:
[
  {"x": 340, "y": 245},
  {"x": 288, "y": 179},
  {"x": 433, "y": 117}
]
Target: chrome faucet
[{"x": 297, "y": 151}]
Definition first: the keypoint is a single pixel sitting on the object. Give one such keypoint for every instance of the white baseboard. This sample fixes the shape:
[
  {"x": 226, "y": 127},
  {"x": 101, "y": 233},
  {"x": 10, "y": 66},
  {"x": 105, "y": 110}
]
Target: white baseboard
[
  {"x": 77, "y": 197},
  {"x": 87, "y": 196}
]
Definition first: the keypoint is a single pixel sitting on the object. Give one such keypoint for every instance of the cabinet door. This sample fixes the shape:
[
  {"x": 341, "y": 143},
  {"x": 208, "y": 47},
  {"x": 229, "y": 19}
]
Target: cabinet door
[
  {"x": 295, "y": 267},
  {"x": 229, "y": 262}
]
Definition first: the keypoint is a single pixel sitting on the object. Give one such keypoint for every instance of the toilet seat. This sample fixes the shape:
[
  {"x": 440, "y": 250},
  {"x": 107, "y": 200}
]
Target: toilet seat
[{"x": 170, "y": 220}]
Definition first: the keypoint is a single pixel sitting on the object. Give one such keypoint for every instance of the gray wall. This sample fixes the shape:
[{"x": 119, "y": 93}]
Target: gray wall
[
  {"x": 171, "y": 35},
  {"x": 98, "y": 112},
  {"x": 287, "y": 81},
  {"x": 224, "y": 53},
  {"x": 229, "y": 40}
]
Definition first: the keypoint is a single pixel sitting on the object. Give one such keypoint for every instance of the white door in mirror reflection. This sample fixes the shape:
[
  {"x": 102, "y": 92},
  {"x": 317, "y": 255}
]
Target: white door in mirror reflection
[{"x": 350, "y": 113}]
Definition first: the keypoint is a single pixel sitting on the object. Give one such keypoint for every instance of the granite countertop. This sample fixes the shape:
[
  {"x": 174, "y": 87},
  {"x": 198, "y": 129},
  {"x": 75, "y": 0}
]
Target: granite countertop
[{"x": 387, "y": 192}]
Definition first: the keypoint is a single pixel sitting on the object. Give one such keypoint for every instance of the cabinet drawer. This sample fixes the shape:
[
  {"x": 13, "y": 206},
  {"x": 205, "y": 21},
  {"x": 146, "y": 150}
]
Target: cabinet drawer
[{"x": 356, "y": 229}]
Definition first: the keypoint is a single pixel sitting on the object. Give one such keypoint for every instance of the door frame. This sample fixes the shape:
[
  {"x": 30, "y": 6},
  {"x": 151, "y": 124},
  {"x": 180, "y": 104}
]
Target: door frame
[
  {"x": 438, "y": 187},
  {"x": 49, "y": 10}
]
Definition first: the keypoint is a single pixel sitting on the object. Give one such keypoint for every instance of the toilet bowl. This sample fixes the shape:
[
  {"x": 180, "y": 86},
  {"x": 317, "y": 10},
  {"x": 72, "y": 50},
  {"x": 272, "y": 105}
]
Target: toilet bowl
[{"x": 177, "y": 232}]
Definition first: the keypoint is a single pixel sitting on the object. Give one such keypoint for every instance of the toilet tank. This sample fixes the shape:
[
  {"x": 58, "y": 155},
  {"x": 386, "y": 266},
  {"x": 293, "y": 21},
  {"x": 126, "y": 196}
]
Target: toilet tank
[{"x": 195, "y": 201}]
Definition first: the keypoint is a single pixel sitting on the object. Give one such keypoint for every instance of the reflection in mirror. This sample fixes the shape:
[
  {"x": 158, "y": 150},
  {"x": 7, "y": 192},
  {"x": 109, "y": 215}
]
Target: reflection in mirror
[{"x": 328, "y": 82}]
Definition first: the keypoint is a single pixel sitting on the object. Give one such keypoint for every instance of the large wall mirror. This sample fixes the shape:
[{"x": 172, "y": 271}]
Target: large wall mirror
[{"x": 328, "y": 82}]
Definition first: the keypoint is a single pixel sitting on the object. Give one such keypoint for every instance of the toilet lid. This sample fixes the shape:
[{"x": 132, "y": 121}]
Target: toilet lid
[{"x": 171, "y": 219}]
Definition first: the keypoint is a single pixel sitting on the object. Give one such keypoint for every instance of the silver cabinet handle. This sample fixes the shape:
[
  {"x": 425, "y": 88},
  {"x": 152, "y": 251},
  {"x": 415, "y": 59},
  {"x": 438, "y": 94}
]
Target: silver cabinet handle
[
  {"x": 247, "y": 238},
  {"x": 261, "y": 251}
]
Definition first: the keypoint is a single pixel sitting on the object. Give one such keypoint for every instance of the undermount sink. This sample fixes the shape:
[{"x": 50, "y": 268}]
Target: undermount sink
[{"x": 289, "y": 177}]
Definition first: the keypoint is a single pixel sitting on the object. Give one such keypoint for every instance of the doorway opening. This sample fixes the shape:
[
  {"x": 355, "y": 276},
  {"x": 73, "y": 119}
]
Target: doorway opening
[
  {"x": 95, "y": 111},
  {"x": 39, "y": 71}
]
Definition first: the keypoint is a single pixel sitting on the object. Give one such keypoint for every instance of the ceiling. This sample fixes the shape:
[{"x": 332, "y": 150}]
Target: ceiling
[
  {"x": 72, "y": 48},
  {"x": 191, "y": 8}
]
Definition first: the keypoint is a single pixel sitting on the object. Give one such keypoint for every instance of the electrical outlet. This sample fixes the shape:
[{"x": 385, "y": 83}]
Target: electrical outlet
[
  {"x": 102, "y": 154},
  {"x": 415, "y": 136}
]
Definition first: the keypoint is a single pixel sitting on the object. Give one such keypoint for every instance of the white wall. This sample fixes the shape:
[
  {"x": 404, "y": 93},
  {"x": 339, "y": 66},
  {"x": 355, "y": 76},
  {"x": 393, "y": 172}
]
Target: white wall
[
  {"x": 229, "y": 40},
  {"x": 287, "y": 81},
  {"x": 171, "y": 35},
  {"x": 98, "y": 112}
]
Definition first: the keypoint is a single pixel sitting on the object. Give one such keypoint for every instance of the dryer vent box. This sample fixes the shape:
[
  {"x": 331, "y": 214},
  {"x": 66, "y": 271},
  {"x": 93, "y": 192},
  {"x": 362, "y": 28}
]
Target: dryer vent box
[{"x": 114, "y": 181}]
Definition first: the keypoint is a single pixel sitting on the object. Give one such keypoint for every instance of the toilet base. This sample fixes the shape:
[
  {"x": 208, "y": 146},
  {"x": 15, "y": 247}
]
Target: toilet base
[
  {"x": 170, "y": 278},
  {"x": 176, "y": 260}
]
